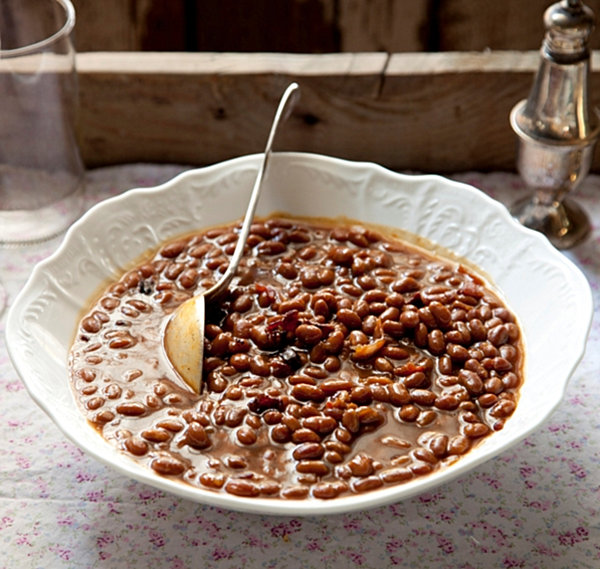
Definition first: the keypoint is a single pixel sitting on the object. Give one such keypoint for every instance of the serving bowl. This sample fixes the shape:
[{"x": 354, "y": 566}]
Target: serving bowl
[{"x": 547, "y": 292}]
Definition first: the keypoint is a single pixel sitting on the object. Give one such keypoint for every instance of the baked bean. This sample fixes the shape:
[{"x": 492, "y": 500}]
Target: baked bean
[
  {"x": 409, "y": 413},
  {"x": 241, "y": 487},
  {"x": 259, "y": 366},
  {"x": 349, "y": 318},
  {"x": 422, "y": 396},
  {"x": 370, "y": 416},
  {"x": 246, "y": 435},
  {"x": 421, "y": 468},
  {"x": 136, "y": 445},
  {"x": 424, "y": 455},
  {"x": 281, "y": 433},
  {"x": 94, "y": 403},
  {"x": 436, "y": 342},
  {"x": 103, "y": 417},
  {"x": 320, "y": 424},
  {"x": 109, "y": 303},
  {"x": 131, "y": 408},
  {"x": 445, "y": 364},
  {"x": 307, "y": 392},
  {"x": 503, "y": 313},
  {"x": 338, "y": 446},
  {"x": 361, "y": 395},
  {"x": 173, "y": 249},
  {"x": 304, "y": 435},
  {"x": 438, "y": 445},
  {"x": 295, "y": 492},
  {"x": 253, "y": 421},
  {"x": 269, "y": 487},
  {"x": 325, "y": 333},
  {"x": 308, "y": 334},
  {"x": 475, "y": 430},
  {"x": 513, "y": 331},
  {"x": 156, "y": 435},
  {"x": 307, "y": 451},
  {"x": 395, "y": 352},
  {"x": 236, "y": 462},
  {"x": 196, "y": 436},
  {"x": 329, "y": 490},
  {"x": 272, "y": 417},
  {"x": 501, "y": 364},
  {"x": 361, "y": 465},
  {"x": 342, "y": 256},
  {"x": 409, "y": 318},
  {"x": 406, "y": 284},
  {"x": 212, "y": 479},
  {"x": 398, "y": 394},
  {"x": 477, "y": 329},
  {"x": 123, "y": 342},
  {"x": 395, "y": 442},
  {"x": 447, "y": 401},
  {"x": 152, "y": 402},
  {"x": 488, "y": 349},
  {"x": 502, "y": 409},
  {"x": 380, "y": 393},
  {"x": 173, "y": 270},
  {"x": 441, "y": 313},
  {"x": 457, "y": 352},
  {"x": 421, "y": 335},
  {"x": 367, "y": 484},
  {"x": 88, "y": 375},
  {"x": 458, "y": 445},
  {"x": 234, "y": 415},
  {"x": 510, "y": 353},
  {"x": 471, "y": 381},
  {"x": 510, "y": 380},
  {"x": 394, "y": 475},
  {"x": 317, "y": 467},
  {"x": 172, "y": 425},
  {"x": 333, "y": 457},
  {"x": 498, "y": 335},
  {"x": 271, "y": 247},
  {"x": 426, "y": 317},
  {"x": 393, "y": 328},
  {"x": 351, "y": 421},
  {"x": 91, "y": 324},
  {"x": 426, "y": 418},
  {"x": 475, "y": 366},
  {"x": 487, "y": 400},
  {"x": 416, "y": 379}
]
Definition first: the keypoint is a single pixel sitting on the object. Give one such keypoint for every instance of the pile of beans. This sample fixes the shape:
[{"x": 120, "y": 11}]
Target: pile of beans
[{"x": 341, "y": 361}]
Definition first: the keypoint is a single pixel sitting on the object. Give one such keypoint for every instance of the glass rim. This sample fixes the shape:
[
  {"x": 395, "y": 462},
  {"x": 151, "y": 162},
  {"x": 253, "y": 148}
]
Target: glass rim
[{"x": 63, "y": 31}]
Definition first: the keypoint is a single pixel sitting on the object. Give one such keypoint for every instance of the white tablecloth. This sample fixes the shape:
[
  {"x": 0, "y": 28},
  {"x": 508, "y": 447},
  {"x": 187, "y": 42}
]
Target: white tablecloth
[{"x": 535, "y": 506}]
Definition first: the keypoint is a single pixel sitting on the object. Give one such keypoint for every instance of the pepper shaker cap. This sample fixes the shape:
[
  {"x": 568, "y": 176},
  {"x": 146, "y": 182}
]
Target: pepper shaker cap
[{"x": 569, "y": 24}]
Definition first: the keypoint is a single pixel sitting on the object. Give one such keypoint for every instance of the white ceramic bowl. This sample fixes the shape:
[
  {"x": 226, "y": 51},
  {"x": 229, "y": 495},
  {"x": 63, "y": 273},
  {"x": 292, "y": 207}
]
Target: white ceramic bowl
[{"x": 547, "y": 292}]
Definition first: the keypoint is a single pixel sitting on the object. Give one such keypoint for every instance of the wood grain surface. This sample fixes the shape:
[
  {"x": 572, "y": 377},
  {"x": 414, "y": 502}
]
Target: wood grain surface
[
  {"x": 425, "y": 112},
  {"x": 312, "y": 26}
]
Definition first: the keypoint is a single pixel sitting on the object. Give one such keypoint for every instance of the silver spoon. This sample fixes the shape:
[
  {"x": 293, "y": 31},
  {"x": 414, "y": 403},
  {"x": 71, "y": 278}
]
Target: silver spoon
[{"x": 184, "y": 332}]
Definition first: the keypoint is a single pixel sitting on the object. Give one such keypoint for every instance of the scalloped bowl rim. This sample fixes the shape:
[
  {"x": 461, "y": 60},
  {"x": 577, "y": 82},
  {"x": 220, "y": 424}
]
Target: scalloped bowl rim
[{"x": 24, "y": 332}]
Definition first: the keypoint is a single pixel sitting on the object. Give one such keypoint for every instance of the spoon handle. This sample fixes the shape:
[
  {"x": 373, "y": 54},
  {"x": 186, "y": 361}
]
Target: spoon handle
[{"x": 290, "y": 94}]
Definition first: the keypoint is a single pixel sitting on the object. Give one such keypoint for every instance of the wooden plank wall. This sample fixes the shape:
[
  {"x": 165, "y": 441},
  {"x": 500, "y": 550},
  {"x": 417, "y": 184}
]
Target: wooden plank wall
[
  {"x": 429, "y": 112},
  {"x": 312, "y": 26},
  {"x": 425, "y": 85}
]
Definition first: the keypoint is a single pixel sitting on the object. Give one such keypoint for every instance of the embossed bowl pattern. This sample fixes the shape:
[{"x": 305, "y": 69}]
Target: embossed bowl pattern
[{"x": 548, "y": 293}]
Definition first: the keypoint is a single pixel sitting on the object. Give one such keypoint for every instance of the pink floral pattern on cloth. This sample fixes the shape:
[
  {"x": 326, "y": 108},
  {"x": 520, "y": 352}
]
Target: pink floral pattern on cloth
[{"x": 535, "y": 506}]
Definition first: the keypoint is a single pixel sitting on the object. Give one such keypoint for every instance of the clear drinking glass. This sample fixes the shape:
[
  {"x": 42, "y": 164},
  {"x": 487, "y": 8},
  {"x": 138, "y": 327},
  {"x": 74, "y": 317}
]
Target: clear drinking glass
[{"x": 41, "y": 172}]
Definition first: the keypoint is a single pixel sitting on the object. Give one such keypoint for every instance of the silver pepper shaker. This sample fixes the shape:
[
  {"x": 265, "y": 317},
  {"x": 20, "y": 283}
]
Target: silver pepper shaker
[{"x": 557, "y": 129}]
